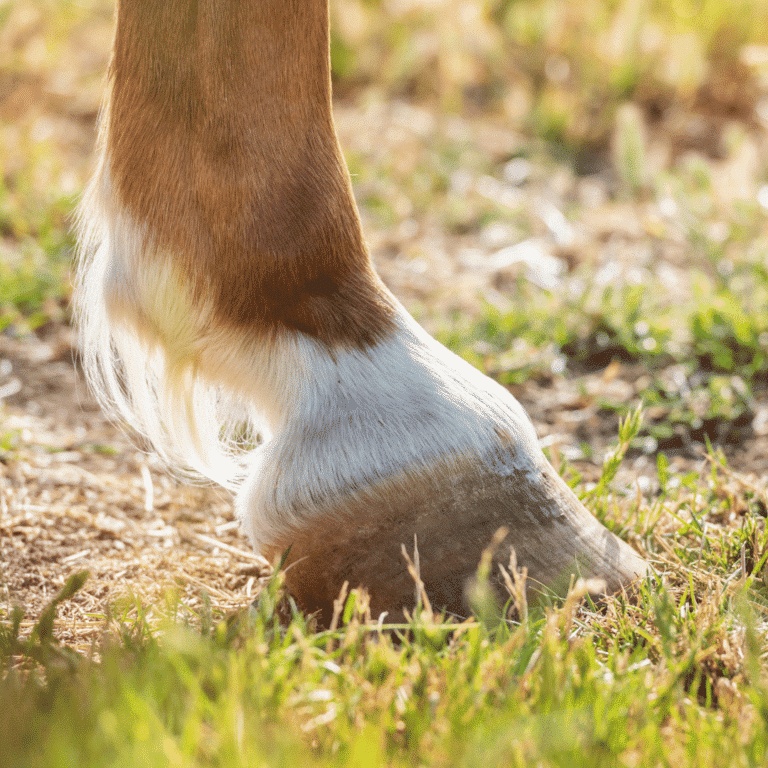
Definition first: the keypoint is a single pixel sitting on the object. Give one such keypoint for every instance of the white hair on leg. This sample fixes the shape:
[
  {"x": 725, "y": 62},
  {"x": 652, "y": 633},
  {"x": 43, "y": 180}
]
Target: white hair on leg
[{"x": 147, "y": 347}]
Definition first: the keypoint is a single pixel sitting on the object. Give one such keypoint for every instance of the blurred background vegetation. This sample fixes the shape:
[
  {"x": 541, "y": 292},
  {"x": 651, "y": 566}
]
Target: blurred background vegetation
[
  {"x": 623, "y": 143},
  {"x": 560, "y": 71},
  {"x": 564, "y": 73}
]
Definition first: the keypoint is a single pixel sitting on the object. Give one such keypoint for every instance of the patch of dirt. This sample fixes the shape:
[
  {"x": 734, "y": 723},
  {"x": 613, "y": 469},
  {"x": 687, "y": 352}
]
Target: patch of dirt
[{"x": 76, "y": 494}]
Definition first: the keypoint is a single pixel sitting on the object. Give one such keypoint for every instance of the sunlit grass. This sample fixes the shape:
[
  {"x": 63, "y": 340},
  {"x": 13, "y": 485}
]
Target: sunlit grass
[{"x": 673, "y": 676}]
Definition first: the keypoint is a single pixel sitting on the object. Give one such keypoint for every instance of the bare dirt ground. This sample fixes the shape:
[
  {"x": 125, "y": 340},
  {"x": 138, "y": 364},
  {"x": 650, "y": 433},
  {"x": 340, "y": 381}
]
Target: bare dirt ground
[{"x": 75, "y": 495}]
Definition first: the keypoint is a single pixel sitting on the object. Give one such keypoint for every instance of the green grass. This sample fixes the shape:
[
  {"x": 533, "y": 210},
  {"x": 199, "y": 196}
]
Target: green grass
[
  {"x": 705, "y": 357},
  {"x": 674, "y": 677},
  {"x": 35, "y": 226},
  {"x": 678, "y": 678}
]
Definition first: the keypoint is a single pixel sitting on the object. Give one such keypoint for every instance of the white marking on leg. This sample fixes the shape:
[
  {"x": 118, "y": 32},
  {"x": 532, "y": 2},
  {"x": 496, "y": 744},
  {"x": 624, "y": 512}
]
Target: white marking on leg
[{"x": 360, "y": 418}]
